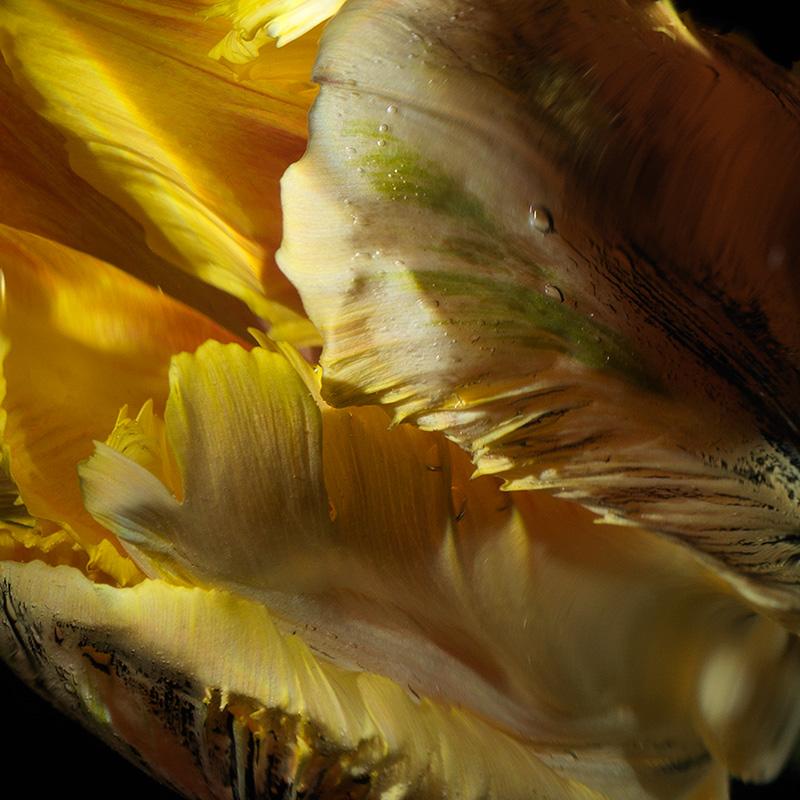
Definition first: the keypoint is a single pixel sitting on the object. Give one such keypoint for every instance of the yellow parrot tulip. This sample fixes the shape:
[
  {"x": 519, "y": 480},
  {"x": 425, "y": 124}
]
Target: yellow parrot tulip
[{"x": 381, "y": 576}]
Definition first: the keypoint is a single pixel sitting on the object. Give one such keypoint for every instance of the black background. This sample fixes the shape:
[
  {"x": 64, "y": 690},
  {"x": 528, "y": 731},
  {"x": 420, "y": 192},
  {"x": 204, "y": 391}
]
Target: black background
[{"x": 50, "y": 756}]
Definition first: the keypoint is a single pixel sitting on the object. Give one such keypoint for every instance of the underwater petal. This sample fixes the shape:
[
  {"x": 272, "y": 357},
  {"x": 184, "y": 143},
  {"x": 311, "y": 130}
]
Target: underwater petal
[
  {"x": 541, "y": 238},
  {"x": 191, "y": 151},
  {"x": 79, "y": 336}
]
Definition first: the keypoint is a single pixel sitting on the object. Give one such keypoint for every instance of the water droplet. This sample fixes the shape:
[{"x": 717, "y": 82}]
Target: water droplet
[
  {"x": 391, "y": 109},
  {"x": 540, "y": 219},
  {"x": 360, "y": 170},
  {"x": 381, "y": 142},
  {"x": 551, "y": 290},
  {"x": 350, "y": 149},
  {"x": 383, "y": 127}
]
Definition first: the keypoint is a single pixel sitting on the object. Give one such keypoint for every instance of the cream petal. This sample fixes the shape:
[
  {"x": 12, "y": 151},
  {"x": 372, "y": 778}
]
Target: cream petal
[
  {"x": 191, "y": 152},
  {"x": 540, "y": 237},
  {"x": 204, "y": 689},
  {"x": 604, "y": 648},
  {"x": 231, "y": 420}
]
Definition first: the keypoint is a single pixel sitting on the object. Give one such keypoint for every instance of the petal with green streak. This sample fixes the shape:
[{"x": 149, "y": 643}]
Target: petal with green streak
[
  {"x": 79, "y": 339},
  {"x": 189, "y": 150},
  {"x": 563, "y": 233},
  {"x": 607, "y": 651}
]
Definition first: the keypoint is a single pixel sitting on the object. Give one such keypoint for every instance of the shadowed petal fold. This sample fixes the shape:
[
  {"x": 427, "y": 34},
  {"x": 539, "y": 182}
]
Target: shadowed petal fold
[
  {"x": 42, "y": 194},
  {"x": 218, "y": 703}
]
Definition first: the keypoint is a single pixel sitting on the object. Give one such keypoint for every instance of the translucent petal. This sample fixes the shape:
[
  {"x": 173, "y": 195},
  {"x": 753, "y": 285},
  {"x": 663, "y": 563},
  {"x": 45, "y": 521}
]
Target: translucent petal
[
  {"x": 256, "y": 22},
  {"x": 79, "y": 336},
  {"x": 43, "y": 195},
  {"x": 191, "y": 151}
]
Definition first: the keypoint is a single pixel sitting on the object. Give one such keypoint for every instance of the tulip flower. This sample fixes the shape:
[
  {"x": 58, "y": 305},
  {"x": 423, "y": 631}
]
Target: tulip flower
[{"x": 381, "y": 576}]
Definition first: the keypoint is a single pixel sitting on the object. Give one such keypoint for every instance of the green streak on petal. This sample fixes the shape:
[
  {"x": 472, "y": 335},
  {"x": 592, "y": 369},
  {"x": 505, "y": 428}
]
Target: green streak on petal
[
  {"x": 474, "y": 251},
  {"x": 523, "y": 313},
  {"x": 398, "y": 173}
]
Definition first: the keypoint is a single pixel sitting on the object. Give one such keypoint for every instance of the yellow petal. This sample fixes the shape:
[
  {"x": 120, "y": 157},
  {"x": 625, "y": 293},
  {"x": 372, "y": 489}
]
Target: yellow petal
[
  {"x": 42, "y": 195},
  {"x": 255, "y": 22},
  {"x": 598, "y": 646},
  {"x": 231, "y": 421},
  {"x": 206, "y": 690},
  {"x": 82, "y": 338},
  {"x": 190, "y": 151},
  {"x": 539, "y": 241}
]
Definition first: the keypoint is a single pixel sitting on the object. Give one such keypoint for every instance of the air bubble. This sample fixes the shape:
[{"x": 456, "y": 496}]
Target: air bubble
[
  {"x": 392, "y": 109},
  {"x": 381, "y": 142}
]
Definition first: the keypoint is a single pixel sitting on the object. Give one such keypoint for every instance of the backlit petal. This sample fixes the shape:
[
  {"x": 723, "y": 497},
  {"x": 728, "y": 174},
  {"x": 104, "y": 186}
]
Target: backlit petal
[
  {"x": 256, "y": 22},
  {"x": 41, "y": 194},
  {"x": 192, "y": 152},
  {"x": 82, "y": 338},
  {"x": 541, "y": 237}
]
